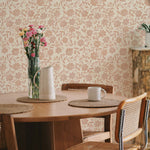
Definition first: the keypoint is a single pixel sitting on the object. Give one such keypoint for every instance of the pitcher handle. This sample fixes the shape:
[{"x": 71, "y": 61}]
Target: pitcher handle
[
  {"x": 104, "y": 93},
  {"x": 35, "y": 77}
]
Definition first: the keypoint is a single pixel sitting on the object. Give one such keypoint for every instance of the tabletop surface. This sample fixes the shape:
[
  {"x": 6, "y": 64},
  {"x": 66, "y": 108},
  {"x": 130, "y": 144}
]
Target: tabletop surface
[
  {"x": 140, "y": 48},
  {"x": 58, "y": 111}
]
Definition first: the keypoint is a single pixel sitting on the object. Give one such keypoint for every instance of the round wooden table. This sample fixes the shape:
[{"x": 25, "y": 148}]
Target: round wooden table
[{"x": 53, "y": 126}]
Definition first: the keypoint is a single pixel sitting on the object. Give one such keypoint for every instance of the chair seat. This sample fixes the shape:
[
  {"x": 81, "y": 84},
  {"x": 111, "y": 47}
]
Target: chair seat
[
  {"x": 102, "y": 146},
  {"x": 95, "y": 136}
]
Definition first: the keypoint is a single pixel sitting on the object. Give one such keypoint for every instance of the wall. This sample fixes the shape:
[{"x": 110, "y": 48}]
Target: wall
[{"x": 88, "y": 40}]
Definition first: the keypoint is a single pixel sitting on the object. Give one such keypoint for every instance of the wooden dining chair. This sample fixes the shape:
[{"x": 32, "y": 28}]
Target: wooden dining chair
[
  {"x": 132, "y": 116},
  {"x": 94, "y": 135},
  {"x": 67, "y": 86}
]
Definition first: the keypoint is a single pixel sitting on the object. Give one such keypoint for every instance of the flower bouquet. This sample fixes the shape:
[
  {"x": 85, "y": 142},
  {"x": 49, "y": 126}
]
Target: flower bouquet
[{"x": 32, "y": 40}]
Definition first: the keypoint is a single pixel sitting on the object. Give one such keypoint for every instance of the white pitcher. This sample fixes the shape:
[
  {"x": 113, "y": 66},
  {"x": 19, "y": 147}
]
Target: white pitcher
[{"x": 46, "y": 85}]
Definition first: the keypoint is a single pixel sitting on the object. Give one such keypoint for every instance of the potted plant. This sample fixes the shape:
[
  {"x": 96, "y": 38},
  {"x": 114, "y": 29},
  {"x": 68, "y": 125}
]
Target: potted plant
[{"x": 146, "y": 28}]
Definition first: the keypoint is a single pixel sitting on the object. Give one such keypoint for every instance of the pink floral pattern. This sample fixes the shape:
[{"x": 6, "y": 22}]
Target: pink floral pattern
[{"x": 88, "y": 40}]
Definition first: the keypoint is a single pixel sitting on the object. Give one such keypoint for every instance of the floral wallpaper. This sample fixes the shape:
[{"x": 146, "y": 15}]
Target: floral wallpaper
[{"x": 87, "y": 41}]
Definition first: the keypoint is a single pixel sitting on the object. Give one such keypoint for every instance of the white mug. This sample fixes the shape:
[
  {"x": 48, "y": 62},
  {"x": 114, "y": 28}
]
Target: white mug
[{"x": 95, "y": 93}]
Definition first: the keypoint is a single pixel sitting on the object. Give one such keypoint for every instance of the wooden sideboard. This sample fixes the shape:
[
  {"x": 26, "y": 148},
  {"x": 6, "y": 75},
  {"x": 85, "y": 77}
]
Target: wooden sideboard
[{"x": 141, "y": 70}]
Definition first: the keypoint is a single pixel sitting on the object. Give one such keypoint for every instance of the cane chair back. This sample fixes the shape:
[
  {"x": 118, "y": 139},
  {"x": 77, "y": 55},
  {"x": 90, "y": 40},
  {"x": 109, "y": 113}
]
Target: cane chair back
[
  {"x": 135, "y": 118},
  {"x": 132, "y": 116}
]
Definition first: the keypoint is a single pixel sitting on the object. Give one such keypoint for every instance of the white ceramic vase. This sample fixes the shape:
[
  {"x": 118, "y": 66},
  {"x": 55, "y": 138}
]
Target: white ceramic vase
[{"x": 147, "y": 40}]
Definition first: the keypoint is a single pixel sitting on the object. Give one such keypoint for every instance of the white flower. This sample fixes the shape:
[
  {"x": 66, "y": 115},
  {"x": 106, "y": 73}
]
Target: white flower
[{"x": 39, "y": 31}]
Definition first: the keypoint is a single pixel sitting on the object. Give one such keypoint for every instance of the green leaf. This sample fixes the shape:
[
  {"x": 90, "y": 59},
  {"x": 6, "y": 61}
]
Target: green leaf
[{"x": 145, "y": 27}]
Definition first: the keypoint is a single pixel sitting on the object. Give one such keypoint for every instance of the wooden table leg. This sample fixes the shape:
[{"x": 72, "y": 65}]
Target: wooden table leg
[
  {"x": 67, "y": 133},
  {"x": 2, "y": 138},
  {"x": 9, "y": 132},
  {"x": 108, "y": 126}
]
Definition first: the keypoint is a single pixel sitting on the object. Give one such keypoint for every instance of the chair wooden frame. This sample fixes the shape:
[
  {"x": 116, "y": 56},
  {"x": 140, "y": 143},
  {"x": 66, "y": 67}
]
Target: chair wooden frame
[
  {"x": 142, "y": 125},
  {"x": 67, "y": 86},
  {"x": 142, "y": 122},
  {"x": 106, "y": 135}
]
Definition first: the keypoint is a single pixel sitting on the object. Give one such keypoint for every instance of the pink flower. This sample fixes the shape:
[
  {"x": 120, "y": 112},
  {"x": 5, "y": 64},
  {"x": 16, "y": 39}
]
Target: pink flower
[
  {"x": 34, "y": 31},
  {"x": 45, "y": 44},
  {"x": 43, "y": 40},
  {"x": 26, "y": 39},
  {"x": 31, "y": 29},
  {"x": 32, "y": 54},
  {"x": 29, "y": 34},
  {"x": 20, "y": 29},
  {"x": 41, "y": 26},
  {"x": 31, "y": 26}
]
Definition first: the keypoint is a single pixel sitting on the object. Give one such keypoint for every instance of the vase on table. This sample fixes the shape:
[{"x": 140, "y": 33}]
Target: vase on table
[
  {"x": 33, "y": 67},
  {"x": 32, "y": 40}
]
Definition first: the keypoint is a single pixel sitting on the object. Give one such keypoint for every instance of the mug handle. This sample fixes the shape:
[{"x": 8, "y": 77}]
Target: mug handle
[
  {"x": 104, "y": 92},
  {"x": 35, "y": 77}
]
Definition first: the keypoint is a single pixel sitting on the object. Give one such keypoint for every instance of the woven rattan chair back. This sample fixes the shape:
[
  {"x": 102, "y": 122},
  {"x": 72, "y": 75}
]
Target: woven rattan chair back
[
  {"x": 132, "y": 116},
  {"x": 132, "y": 122},
  {"x": 67, "y": 86}
]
